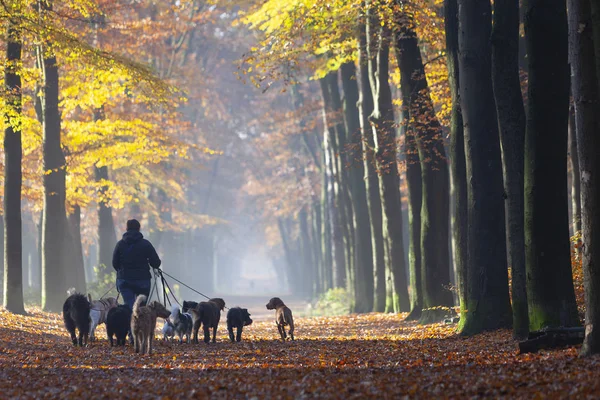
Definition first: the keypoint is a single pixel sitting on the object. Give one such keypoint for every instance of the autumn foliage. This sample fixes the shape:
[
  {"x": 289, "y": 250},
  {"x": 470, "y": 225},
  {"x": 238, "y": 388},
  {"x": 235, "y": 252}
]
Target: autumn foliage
[{"x": 356, "y": 356}]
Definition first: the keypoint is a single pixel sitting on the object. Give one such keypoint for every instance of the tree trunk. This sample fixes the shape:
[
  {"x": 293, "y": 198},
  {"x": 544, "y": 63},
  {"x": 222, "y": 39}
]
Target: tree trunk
[
  {"x": 415, "y": 195},
  {"x": 487, "y": 299},
  {"x": 13, "y": 178},
  {"x": 511, "y": 122},
  {"x": 338, "y": 219},
  {"x": 384, "y": 133},
  {"x": 2, "y": 251},
  {"x": 458, "y": 165},
  {"x": 363, "y": 252},
  {"x": 106, "y": 226},
  {"x": 551, "y": 297},
  {"x": 371, "y": 177},
  {"x": 326, "y": 222},
  {"x": 316, "y": 283},
  {"x": 575, "y": 176},
  {"x": 76, "y": 248},
  {"x": 305, "y": 251},
  {"x": 339, "y": 148},
  {"x": 427, "y": 131},
  {"x": 55, "y": 278},
  {"x": 586, "y": 97}
]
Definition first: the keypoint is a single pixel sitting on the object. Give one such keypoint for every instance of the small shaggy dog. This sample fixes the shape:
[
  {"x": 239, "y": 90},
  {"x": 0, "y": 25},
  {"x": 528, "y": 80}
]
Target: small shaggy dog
[
  {"x": 237, "y": 318},
  {"x": 76, "y": 314},
  {"x": 283, "y": 316},
  {"x": 99, "y": 312},
  {"x": 207, "y": 313},
  {"x": 143, "y": 323},
  {"x": 182, "y": 323},
  {"x": 118, "y": 322},
  {"x": 168, "y": 330}
]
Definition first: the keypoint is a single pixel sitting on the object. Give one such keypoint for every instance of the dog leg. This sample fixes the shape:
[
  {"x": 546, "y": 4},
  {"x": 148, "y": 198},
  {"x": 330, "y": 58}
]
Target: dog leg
[
  {"x": 281, "y": 332},
  {"x": 230, "y": 329},
  {"x": 136, "y": 340},
  {"x": 292, "y": 330},
  {"x": 150, "y": 339},
  {"x": 196, "y": 329},
  {"x": 214, "y": 335},
  {"x": 239, "y": 334},
  {"x": 206, "y": 334},
  {"x": 93, "y": 326}
]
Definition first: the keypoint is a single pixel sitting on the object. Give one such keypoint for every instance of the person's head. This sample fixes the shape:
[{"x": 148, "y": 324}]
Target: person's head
[{"x": 133, "y": 225}]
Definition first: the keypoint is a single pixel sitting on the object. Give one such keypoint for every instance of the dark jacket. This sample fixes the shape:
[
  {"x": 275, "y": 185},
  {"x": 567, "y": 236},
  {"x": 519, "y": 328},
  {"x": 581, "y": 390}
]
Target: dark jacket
[{"x": 133, "y": 255}]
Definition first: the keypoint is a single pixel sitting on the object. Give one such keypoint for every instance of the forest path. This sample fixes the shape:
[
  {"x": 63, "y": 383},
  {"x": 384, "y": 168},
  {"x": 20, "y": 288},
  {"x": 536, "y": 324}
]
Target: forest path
[{"x": 357, "y": 356}]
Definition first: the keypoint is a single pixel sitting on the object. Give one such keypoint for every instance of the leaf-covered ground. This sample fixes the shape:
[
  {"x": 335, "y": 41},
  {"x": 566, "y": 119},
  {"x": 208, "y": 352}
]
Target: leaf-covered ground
[{"x": 374, "y": 355}]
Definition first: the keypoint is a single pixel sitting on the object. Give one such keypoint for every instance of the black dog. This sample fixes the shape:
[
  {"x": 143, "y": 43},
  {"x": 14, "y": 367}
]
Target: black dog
[
  {"x": 187, "y": 306},
  {"x": 207, "y": 313},
  {"x": 118, "y": 322},
  {"x": 76, "y": 314},
  {"x": 237, "y": 318}
]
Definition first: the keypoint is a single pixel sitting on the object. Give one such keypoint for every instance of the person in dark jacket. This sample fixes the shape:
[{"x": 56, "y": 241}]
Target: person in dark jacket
[{"x": 132, "y": 259}]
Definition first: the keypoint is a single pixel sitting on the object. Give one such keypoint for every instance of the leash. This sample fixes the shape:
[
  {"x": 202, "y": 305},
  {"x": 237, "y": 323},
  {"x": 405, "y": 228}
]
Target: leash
[
  {"x": 181, "y": 283},
  {"x": 108, "y": 291}
]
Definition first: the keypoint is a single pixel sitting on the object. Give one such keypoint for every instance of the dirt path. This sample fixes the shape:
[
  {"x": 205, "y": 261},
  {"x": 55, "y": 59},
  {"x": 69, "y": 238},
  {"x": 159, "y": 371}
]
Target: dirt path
[{"x": 366, "y": 356}]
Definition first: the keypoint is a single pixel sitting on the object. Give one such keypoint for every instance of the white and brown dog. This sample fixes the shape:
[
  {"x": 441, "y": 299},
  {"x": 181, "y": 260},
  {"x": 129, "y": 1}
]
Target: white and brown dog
[{"x": 98, "y": 312}]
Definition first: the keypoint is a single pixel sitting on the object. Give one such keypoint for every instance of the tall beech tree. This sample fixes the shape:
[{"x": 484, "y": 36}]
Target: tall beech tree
[
  {"x": 363, "y": 252},
  {"x": 332, "y": 115},
  {"x": 415, "y": 195},
  {"x": 458, "y": 167},
  {"x": 511, "y": 123},
  {"x": 13, "y": 178},
  {"x": 575, "y": 175},
  {"x": 427, "y": 131},
  {"x": 371, "y": 177},
  {"x": 384, "y": 133},
  {"x": 586, "y": 96},
  {"x": 56, "y": 263},
  {"x": 550, "y": 293},
  {"x": 487, "y": 299}
]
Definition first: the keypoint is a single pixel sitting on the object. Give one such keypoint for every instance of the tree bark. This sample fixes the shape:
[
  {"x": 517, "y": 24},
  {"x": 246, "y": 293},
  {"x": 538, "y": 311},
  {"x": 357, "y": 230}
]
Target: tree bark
[
  {"x": 338, "y": 218},
  {"x": 339, "y": 148},
  {"x": 415, "y": 195},
  {"x": 76, "y": 248},
  {"x": 384, "y": 133},
  {"x": 326, "y": 222},
  {"x": 458, "y": 167},
  {"x": 511, "y": 122},
  {"x": 371, "y": 177},
  {"x": 487, "y": 299},
  {"x": 575, "y": 175},
  {"x": 13, "y": 178},
  {"x": 106, "y": 226},
  {"x": 363, "y": 252},
  {"x": 55, "y": 276},
  {"x": 586, "y": 96},
  {"x": 424, "y": 125},
  {"x": 551, "y": 297}
]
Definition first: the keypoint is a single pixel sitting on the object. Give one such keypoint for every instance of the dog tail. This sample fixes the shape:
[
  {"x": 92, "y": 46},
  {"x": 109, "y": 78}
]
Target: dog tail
[{"x": 139, "y": 302}]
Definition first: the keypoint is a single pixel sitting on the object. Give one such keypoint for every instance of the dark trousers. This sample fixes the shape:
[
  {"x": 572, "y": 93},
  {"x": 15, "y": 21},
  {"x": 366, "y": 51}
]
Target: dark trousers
[{"x": 130, "y": 289}]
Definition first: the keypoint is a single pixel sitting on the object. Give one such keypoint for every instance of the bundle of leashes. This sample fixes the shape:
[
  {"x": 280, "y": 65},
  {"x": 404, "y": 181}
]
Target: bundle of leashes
[{"x": 167, "y": 293}]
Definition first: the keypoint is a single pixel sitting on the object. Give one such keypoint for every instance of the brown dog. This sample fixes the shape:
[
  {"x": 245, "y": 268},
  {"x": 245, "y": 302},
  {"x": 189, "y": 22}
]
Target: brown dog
[
  {"x": 283, "y": 316},
  {"x": 143, "y": 323},
  {"x": 207, "y": 313}
]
